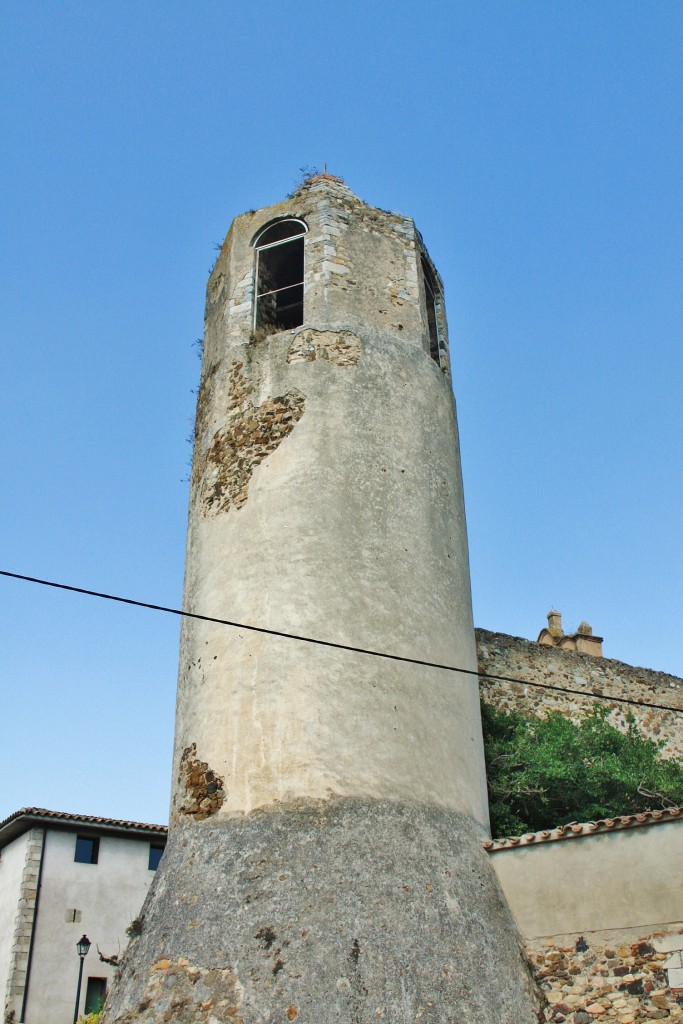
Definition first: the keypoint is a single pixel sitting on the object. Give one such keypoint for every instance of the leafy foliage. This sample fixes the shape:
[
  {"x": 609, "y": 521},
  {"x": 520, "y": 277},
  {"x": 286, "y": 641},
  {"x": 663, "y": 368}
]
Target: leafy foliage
[
  {"x": 90, "y": 1018},
  {"x": 134, "y": 928},
  {"x": 544, "y": 772}
]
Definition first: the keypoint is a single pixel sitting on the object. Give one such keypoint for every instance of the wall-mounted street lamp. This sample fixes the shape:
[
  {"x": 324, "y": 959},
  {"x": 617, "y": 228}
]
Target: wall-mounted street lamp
[{"x": 83, "y": 945}]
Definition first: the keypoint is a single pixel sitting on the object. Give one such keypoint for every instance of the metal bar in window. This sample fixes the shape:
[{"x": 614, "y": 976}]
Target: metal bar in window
[
  {"x": 292, "y": 305},
  {"x": 280, "y": 241},
  {"x": 274, "y": 291}
]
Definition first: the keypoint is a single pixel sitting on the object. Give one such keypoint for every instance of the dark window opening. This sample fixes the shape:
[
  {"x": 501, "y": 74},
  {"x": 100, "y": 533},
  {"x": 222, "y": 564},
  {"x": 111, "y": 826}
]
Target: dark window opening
[
  {"x": 435, "y": 347},
  {"x": 87, "y": 849},
  {"x": 280, "y": 276},
  {"x": 95, "y": 994},
  {"x": 155, "y": 853}
]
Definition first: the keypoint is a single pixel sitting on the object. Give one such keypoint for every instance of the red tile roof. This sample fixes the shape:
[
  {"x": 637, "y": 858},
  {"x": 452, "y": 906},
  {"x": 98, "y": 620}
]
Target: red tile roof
[
  {"x": 27, "y": 817},
  {"x": 574, "y": 830}
]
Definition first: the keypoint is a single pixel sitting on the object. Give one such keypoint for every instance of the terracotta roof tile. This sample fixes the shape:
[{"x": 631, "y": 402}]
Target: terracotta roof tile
[
  {"x": 79, "y": 819},
  {"x": 587, "y": 828}
]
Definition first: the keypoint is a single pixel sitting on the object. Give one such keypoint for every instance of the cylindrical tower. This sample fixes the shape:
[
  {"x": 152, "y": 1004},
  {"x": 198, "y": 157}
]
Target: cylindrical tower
[
  {"x": 326, "y": 501},
  {"x": 328, "y": 807}
]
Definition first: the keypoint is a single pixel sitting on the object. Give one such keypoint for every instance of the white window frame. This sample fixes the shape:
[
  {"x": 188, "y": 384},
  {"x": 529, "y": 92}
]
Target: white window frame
[{"x": 272, "y": 245}]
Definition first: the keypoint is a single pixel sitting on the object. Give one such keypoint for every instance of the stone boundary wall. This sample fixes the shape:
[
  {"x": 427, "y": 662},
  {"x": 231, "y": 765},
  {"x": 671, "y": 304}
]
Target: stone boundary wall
[
  {"x": 621, "y": 979},
  {"x": 500, "y": 654}
]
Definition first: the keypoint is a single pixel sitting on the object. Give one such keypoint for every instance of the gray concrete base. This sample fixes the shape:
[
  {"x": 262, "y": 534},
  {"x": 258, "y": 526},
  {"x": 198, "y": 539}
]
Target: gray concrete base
[{"x": 348, "y": 910}]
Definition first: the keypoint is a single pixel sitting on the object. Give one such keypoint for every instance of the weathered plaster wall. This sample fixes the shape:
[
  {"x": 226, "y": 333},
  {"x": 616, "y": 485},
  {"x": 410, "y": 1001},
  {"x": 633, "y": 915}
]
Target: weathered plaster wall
[
  {"x": 324, "y": 860},
  {"x": 14, "y": 887},
  {"x": 619, "y": 879},
  {"x": 512, "y": 656},
  {"x": 250, "y": 434},
  {"x": 327, "y": 501}
]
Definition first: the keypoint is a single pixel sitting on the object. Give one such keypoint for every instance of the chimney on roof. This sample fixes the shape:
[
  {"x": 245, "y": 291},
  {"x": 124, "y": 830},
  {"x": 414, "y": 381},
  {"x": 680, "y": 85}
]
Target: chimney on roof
[
  {"x": 582, "y": 640},
  {"x": 555, "y": 623},
  {"x": 586, "y": 642}
]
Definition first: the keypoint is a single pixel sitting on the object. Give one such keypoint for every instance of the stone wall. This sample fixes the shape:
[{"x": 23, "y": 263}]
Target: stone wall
[
  {"x": 621, "y": 979},
  {"x": 595, "y": 678}
]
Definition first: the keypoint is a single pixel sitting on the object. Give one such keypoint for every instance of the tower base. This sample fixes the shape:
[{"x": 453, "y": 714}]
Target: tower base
[{"x": 345, "y": 910}]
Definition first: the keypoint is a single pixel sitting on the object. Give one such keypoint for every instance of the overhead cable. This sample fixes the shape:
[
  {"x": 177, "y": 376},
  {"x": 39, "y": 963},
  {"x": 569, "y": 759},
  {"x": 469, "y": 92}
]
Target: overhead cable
[{"x": 333, "y": 644}]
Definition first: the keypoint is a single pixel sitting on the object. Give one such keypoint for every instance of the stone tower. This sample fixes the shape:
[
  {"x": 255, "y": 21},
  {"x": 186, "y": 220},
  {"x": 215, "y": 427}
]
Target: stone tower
[{"x": 325, "y": 859}]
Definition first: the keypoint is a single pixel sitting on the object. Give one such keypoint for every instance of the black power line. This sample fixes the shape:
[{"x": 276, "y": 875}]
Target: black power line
[{"x": 333, "y": 644}]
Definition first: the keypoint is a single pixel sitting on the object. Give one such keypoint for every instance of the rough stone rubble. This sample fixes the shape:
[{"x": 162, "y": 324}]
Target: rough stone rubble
[{"x": 624, "y": 983}]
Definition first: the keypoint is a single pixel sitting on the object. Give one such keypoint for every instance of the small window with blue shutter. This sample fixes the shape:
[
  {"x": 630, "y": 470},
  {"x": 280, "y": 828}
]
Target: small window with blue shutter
[
  {"x": 155, "y": 852},
  {"x": 87, "y": 849}
]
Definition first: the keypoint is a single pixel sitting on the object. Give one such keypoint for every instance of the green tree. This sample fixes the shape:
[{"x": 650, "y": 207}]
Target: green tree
[{"x": 545, "y": 772}]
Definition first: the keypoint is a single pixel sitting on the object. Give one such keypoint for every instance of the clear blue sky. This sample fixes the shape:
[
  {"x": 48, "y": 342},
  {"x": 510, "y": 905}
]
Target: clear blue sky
[{"x": 538, "y": 146}]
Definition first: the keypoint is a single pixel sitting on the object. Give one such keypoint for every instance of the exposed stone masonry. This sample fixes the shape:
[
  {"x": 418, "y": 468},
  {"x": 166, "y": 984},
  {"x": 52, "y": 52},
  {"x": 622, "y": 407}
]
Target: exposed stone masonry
[
  {"x": 343, "y": 233},
  {"x": 624, "y": 983},
  {"x": 332, "y": 259},
  {"x": 205, "y": 401},
  {"x": 16, "y": 982},
  {"x": 178, "y": 991},
  {"x": 342, "y": 348},
  {"x": 203, "y": 786},
  {"x": 513, "y": 656},
  {"x": 250, "y": 435}
]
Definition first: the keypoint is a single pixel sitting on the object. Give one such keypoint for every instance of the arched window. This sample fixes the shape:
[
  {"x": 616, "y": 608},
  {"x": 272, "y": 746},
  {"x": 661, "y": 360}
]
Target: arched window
[
  {"x": 436, "y": 346},
  {"x": 280, "y": 275}
]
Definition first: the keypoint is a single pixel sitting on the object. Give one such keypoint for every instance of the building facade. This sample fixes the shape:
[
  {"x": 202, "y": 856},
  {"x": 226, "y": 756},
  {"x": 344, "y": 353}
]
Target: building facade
[{"x": 63, "y": 876}]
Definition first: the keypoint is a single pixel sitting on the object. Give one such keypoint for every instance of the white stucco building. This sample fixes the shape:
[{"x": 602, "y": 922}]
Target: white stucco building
[{"x": 63, "y": 876}]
